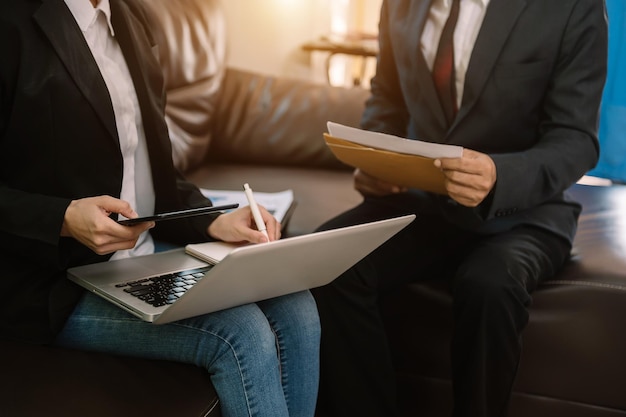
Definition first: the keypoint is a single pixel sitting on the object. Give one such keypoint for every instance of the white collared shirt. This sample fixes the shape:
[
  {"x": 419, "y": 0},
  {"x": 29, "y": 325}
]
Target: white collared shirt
[
  {"x": 137, "y": 186},
  {"x": 471, "y": 15}
]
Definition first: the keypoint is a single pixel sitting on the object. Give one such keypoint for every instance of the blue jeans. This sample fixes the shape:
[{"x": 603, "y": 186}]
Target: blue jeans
[{"x": 263, "y": 358}]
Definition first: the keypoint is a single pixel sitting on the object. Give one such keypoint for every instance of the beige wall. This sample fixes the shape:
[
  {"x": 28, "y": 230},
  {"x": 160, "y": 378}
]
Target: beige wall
[{"x": 266, "y": 35}]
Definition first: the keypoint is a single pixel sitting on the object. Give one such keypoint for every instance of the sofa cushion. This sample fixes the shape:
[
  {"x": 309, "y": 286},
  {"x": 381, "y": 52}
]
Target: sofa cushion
[{"x": 319, "y": 194}]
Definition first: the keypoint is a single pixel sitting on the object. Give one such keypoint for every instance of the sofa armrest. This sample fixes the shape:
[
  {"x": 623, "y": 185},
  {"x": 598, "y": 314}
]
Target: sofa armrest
[{"x": 280, "y": 121}]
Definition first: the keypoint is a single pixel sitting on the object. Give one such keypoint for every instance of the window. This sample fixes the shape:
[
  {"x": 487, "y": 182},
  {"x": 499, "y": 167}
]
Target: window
[{"x": 612, "y": 164}]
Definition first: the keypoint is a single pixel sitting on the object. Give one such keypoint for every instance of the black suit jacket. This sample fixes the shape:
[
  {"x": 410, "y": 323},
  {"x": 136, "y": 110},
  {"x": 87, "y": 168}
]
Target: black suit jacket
[
  {"x": 58, "y": 142},
  {"x": 531, "y": 99}
]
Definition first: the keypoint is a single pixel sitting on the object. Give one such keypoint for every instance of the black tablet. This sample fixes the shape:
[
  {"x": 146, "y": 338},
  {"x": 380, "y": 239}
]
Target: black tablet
[{"x": 178, "y": 214}]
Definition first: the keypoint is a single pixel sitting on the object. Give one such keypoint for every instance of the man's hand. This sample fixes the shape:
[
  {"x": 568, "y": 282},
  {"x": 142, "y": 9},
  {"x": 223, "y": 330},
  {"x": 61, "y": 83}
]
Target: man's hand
[
  {"x": 469, "y": 179},
  {"x": 239, "y": 226},
  {"x": 87, "y": 220},
  {"x": 372, "y": 186}
]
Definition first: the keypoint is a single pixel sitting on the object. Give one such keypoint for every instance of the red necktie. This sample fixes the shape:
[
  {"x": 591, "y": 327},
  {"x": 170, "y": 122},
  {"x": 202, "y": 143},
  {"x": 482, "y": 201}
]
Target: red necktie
[{"x": 443, "y": 68}]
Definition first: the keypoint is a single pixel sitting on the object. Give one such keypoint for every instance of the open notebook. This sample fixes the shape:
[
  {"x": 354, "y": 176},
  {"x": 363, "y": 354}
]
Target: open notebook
[{"x": 174, "y": 285}]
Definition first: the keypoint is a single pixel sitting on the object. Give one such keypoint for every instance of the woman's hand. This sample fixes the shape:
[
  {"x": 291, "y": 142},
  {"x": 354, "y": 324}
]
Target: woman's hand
[
  {"x": 239, "y": 226},
  {"x": 87, "y": 220}
]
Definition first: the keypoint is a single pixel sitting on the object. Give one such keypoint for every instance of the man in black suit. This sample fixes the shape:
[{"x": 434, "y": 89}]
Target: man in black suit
[
  {"x": 522, "y": 98},
  {"x": 83, "y": 139}
]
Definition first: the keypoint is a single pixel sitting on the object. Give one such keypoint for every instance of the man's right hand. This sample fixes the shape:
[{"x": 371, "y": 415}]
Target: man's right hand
[
  {"x": 87, "y": 220},
  {"x": 372, "y": 186}
]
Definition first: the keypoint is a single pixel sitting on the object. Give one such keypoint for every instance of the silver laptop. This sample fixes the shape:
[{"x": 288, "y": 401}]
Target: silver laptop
[{"x": 173, "y": 285}]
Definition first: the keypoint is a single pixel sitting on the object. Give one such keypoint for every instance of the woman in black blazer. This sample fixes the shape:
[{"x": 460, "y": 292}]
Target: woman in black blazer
[{"x": 61, "y": 177}]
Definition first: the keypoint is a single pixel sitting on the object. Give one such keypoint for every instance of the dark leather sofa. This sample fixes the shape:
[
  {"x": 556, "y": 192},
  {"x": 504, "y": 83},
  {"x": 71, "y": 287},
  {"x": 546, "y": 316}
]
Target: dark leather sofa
[{"x": 230, "y": 127}]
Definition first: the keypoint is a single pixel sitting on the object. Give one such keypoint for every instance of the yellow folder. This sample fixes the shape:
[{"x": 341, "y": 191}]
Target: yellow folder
[{"x": 411, "y": 171}]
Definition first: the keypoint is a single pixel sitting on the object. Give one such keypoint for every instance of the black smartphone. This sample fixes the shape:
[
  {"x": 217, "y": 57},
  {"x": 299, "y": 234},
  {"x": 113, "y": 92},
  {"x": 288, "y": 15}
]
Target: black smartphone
[{"x": 178, "y": 214}]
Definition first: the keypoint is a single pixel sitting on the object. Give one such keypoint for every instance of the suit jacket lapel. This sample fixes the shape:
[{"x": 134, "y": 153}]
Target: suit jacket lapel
[
  {"x": 59, "y": 25},
  {"x": 499, "y": 20}
]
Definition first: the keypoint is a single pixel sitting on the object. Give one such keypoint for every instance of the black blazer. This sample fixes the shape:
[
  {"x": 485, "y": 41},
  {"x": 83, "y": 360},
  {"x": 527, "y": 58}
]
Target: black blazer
[
  {"x": 58, "y": 142},
  {"x": 531, "y": 99}
]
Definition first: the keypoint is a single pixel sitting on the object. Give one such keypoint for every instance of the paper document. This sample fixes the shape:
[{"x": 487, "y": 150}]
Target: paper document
[
  {"x": 279, "y": 204},
  {"x": 399, "y": 161},
  {"x": 394, "y": 143}
]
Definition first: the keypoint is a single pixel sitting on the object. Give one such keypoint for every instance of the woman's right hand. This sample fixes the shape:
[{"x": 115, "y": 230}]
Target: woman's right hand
[{"x": 87, "y": 220}]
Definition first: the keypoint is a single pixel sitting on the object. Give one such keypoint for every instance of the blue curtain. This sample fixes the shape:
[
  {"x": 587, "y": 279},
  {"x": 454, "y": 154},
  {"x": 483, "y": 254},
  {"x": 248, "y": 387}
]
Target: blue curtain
[{"x": 612, "y": 133}]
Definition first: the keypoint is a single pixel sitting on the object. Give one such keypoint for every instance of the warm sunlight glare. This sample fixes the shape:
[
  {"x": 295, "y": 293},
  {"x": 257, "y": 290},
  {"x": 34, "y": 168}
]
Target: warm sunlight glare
[
  {"x": 339, "y": 10},
  {"x": 619, "y": 204}
]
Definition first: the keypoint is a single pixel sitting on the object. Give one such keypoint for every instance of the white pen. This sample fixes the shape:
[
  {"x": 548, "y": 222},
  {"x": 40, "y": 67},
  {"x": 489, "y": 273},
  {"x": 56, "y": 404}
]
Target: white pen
[{"x": 260, "y": 224}]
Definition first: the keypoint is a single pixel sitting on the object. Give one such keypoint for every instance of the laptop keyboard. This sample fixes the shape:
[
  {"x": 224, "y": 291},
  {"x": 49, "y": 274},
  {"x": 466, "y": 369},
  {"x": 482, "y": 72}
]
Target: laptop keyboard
[{"x": 164, "y": 289}]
